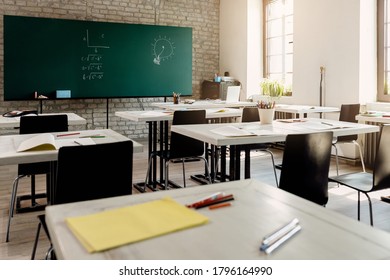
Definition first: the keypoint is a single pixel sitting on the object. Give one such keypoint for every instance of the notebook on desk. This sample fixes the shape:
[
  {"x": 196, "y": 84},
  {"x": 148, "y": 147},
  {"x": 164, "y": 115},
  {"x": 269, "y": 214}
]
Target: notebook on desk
[{"x": 233, "y": 94}]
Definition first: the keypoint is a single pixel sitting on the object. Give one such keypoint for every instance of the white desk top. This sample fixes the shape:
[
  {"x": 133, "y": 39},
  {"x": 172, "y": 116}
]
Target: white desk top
[
  {"x": 374, "y": 117},
  {"x": 233, "y": 232},
  {"x": 73, "y": 119},
  {"x": 270, "y": 133},
  {"x": 202, "y": 104},
  {"x": 9, "y": 144},
  {"x": 160, "y": 115},
  {"x": 304, "y": 109}
]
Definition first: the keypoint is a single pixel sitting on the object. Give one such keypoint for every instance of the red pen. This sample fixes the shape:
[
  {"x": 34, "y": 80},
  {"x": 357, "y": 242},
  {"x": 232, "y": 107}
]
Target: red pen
[
  {"x": 220, "y": 205},
  {"x": 206, "y": 199},
  {"x": 215, "y": 201}
]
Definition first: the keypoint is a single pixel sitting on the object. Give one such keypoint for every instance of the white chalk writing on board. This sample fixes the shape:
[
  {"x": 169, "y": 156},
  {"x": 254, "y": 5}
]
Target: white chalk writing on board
[{"x": 92, "y": 62}]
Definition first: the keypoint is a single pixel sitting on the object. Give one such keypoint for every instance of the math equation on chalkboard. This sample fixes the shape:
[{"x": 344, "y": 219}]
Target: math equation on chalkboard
[{"x": 92, "y": 63}]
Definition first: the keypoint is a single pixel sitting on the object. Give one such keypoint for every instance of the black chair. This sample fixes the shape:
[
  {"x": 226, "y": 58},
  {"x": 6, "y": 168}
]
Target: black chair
[
  {"x": 379, "y": 179},
  {"x": 28, "y": 125},
  {"x": 348, "y": 113},
  {"x": 181, "y": 147},
  {"x": 90, "y": 172},
  {"x": 305, "y": 165},
  {"x": 251, "y": 114}
]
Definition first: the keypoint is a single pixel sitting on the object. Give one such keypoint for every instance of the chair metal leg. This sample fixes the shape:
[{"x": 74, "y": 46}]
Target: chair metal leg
[
  {"x": 167, "y": 173},
  {"x": 370, "y": 207},
  {"x": 148, "y": 172},
  {"x": 49, "y": 253},
  {"x": 273, "y": 165},
  {"x": 361, "y": 155},
  {"x": 207, "y": 169},
  {"x": 12, "y": 204},
  {"x": 36, "y": 242},
  {"x": 358, "y": 205}
]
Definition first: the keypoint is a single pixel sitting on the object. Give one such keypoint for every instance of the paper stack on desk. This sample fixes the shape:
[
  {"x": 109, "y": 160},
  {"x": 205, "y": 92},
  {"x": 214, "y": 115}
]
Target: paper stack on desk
[{"x": 113, "y": 228}]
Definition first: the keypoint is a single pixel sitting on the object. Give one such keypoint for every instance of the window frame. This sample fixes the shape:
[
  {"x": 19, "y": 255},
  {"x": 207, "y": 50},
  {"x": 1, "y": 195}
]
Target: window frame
[
  {"x": 382, "y": 43},
  {"x": 284, "y": 36}
]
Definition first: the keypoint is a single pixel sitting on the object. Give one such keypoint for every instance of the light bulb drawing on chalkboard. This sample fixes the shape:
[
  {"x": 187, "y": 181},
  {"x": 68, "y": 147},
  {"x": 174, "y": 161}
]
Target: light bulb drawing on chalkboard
[{"x": 163, "y": 49}]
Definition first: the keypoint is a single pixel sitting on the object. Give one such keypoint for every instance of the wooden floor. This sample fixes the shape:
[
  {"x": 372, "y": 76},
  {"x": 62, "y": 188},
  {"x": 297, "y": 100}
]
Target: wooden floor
[{"x": 23, "y": 227}]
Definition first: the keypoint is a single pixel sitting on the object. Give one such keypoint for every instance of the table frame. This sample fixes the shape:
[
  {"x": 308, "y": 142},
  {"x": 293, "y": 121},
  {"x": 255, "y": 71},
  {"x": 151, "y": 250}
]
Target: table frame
[
  {"x": 279, "y": 131},
  {"x": 158, "y": 129}
]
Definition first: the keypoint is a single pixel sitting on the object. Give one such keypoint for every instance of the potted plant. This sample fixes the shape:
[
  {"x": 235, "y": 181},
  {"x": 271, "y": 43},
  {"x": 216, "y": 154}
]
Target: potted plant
[{"x": 271, "y": 90}]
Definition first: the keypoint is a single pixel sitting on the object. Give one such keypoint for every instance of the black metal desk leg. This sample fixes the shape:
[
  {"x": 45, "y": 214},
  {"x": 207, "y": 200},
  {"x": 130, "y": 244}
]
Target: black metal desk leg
[{"x": 223, "y": 164}]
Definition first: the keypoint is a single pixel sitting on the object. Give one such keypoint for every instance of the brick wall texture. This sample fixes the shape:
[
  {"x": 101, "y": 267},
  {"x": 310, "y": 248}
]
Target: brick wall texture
[{"x": 201, "y": 15}]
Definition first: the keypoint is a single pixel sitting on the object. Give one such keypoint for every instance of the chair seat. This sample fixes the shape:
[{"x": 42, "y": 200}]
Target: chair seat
[{"x": 361, "y": 181}]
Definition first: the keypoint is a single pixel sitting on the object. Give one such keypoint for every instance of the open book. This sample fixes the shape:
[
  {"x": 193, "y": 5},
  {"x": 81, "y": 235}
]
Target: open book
[{"x": 47, "y": 141}]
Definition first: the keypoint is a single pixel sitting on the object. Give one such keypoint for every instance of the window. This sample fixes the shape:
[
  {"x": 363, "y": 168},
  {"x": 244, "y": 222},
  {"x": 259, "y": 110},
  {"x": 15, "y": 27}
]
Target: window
[
  {"x": 278, "y": 40},
  {"x": 383, "y": 50}
]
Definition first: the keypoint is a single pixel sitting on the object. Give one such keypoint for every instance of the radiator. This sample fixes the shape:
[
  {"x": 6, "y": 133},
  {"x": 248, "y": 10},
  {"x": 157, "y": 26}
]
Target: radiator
[
  {"x": 283, "y": 115},
  {"x": 370, "y": 146}
]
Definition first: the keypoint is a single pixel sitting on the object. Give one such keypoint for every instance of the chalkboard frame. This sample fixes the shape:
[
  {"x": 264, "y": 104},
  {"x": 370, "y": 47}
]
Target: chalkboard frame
[{"x": 136, "y": 60}]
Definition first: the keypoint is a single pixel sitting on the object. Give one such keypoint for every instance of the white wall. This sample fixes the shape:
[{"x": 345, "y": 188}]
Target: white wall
[
  {"x": 337, "y": 34},
  {"x": 233, "y": 40},
  {"x": 255, "y": 47},
  {"x": 368, "y": 52},
  {"x": 326, "y": 33}
]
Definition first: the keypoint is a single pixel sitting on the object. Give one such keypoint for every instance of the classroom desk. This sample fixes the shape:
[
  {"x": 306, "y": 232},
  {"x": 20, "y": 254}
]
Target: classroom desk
[
  {"x": 164, "y": 115},
  {"x": 257, "y": 133},
  {"x": 301, "y": 111},
  {"x": 234, "y": 232},
  {"x": 202, "y": 104},
  {"x": 158, "y": 122},
  {"x": 73, "y": 119},
  {"x": 374, "y": 117},
  {"x": 9, "y": 144}
]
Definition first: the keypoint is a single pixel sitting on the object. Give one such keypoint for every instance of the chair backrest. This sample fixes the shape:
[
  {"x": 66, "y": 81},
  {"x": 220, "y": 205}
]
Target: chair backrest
[
  {"x": 43, "y": 123},
  {"x": 93, "y": 171},
  {"x": 182, "y": 146},
  {"x": 305, "y": 165},
  {"x": 250, "y": 114},
  {"x": 348, "y": 113},
  {"x": 381, "y": 170},
  {"x": 40, "y": 124}
]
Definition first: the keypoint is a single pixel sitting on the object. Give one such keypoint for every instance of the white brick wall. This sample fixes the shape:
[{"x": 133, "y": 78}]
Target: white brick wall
[{"x": 201, "y": 15}]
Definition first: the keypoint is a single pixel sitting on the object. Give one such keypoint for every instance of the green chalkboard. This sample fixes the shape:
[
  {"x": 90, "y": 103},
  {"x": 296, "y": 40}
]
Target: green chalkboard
[{"x": 94, "y": 59}]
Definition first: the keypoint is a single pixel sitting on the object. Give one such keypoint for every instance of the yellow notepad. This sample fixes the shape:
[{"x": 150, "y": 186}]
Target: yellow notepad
[{"x": 113, "y": 228}]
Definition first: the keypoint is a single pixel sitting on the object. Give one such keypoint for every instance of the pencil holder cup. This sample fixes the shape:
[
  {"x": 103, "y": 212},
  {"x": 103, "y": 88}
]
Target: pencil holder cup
[
  {"x": 266, "y": 115},
  {"x": 176, "y": 99}
]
